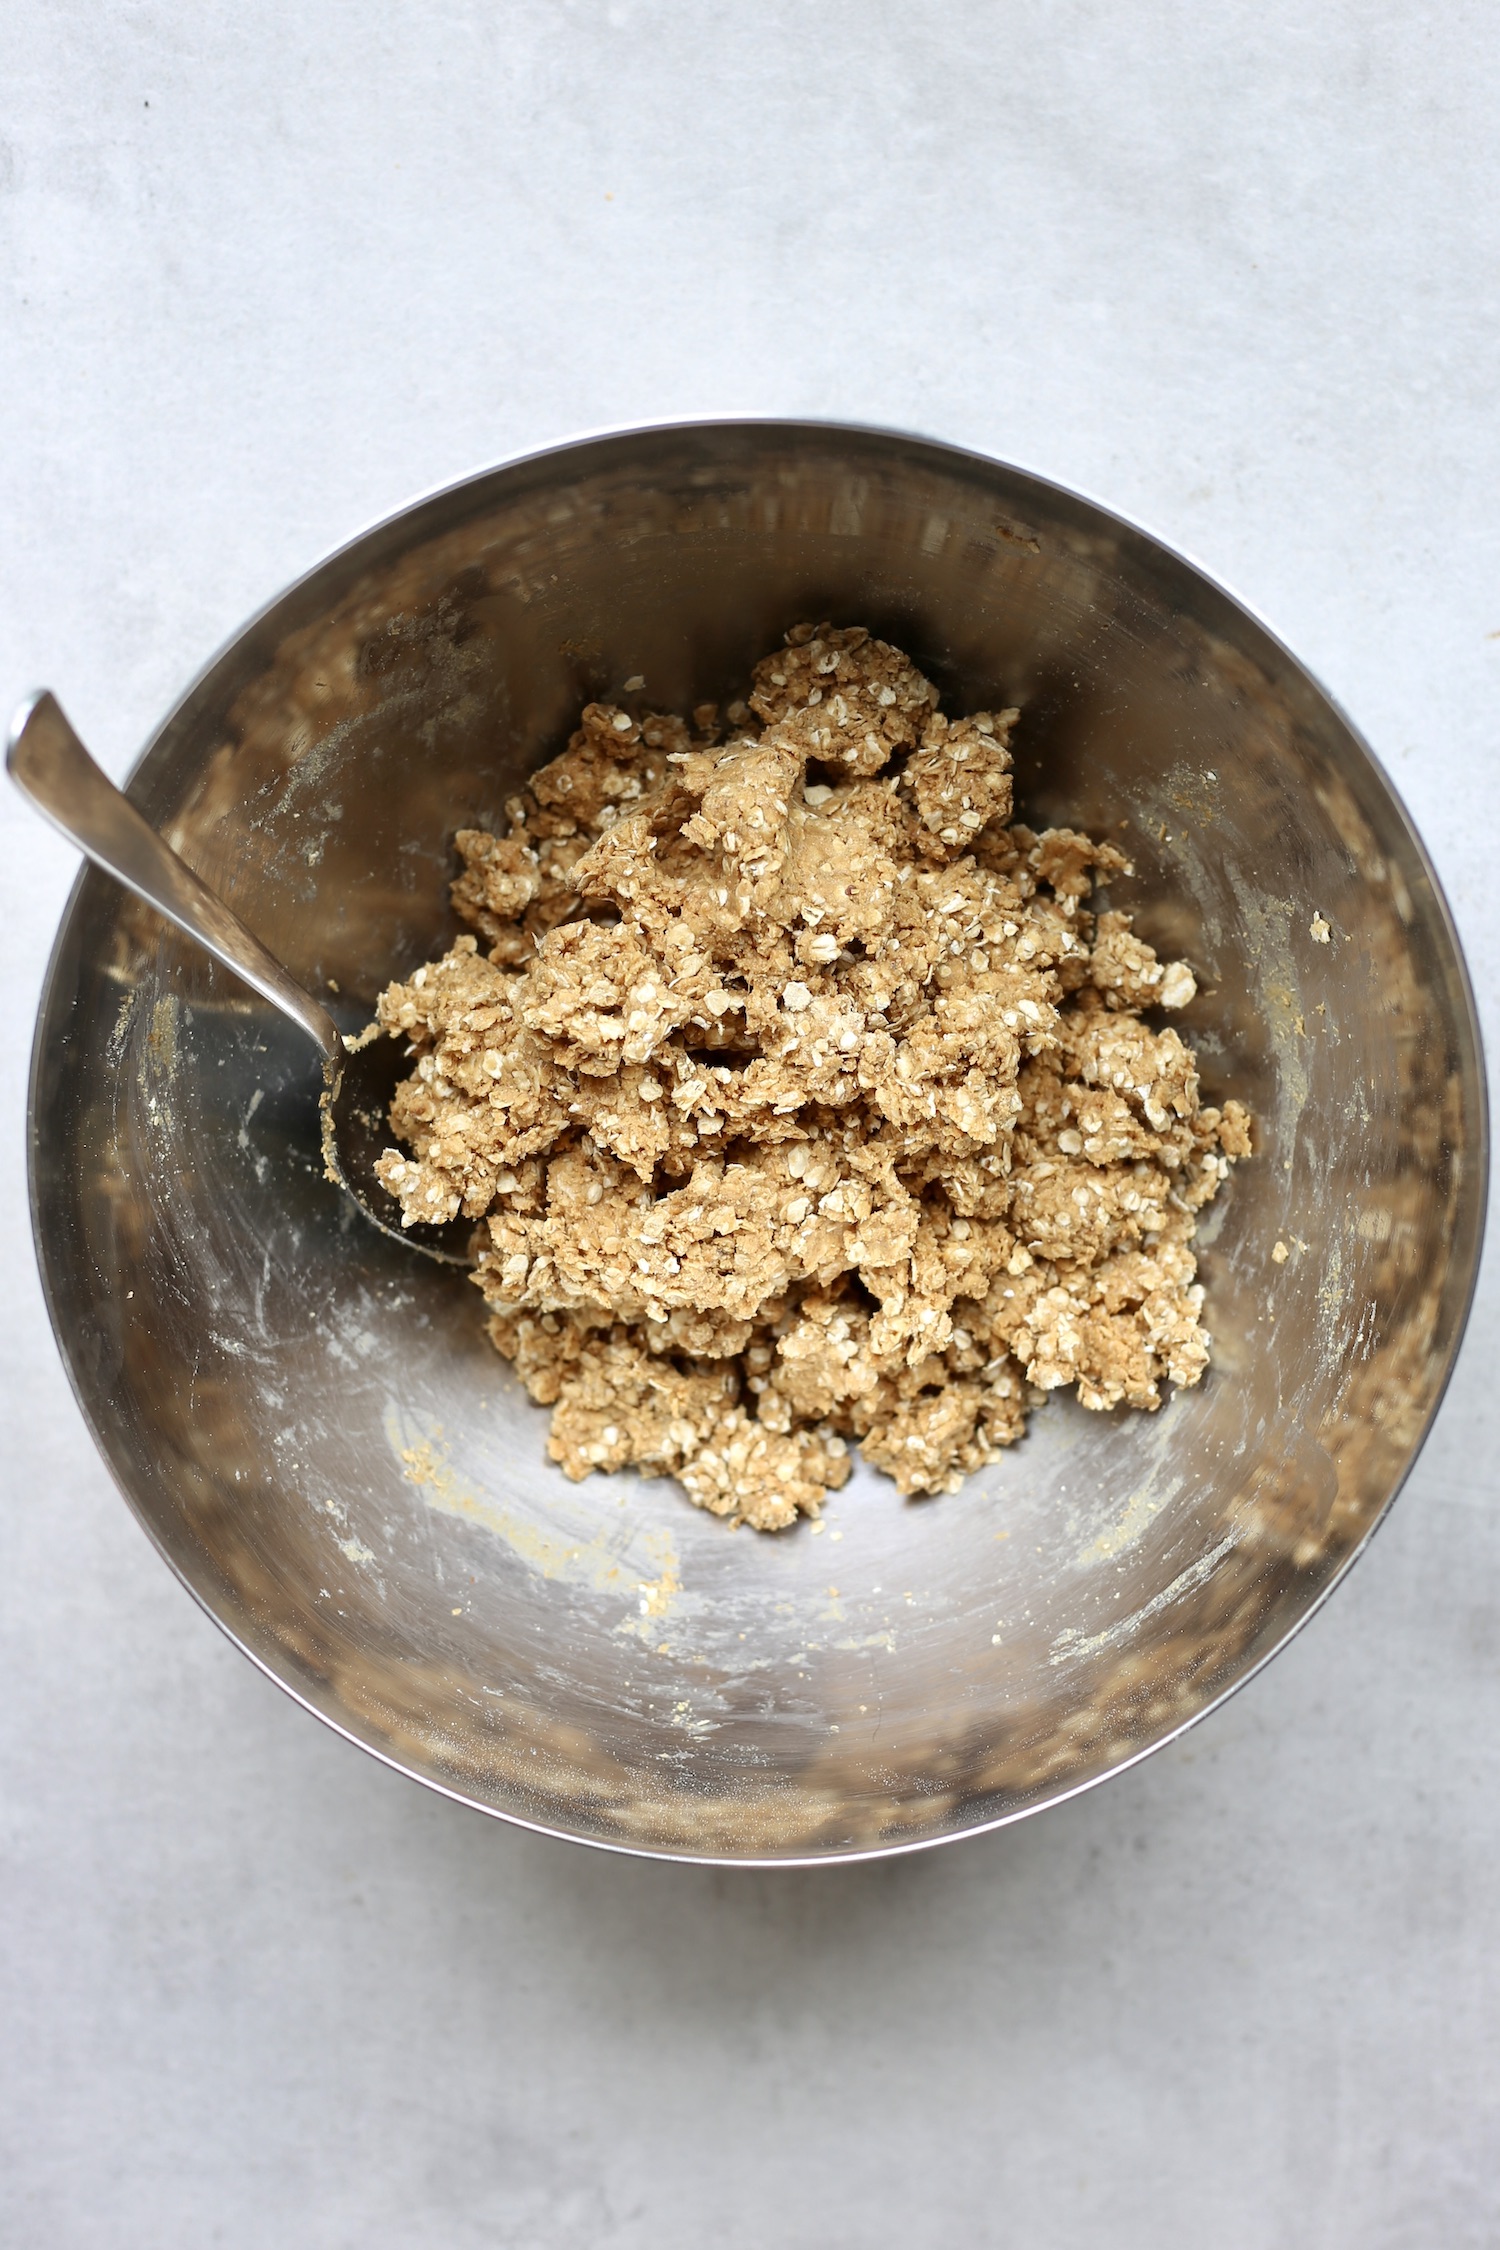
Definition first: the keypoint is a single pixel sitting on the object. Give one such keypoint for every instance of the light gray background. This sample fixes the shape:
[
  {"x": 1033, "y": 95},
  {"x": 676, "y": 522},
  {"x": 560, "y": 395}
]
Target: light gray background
[{"x": 269, "y": 271}]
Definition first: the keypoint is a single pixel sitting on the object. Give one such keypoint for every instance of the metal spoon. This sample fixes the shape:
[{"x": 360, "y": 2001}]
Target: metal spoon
[{"x": 50, "y": 765}]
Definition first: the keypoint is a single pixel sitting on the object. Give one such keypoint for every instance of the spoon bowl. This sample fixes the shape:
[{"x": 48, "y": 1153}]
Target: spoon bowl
[
  {"x": 355, "y": 1107},
  {"x": 50, "y": 765}
]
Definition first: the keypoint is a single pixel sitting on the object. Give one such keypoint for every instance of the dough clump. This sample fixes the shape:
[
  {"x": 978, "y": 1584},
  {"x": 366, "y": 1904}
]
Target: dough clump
[{"x": 804, "y": 1099}]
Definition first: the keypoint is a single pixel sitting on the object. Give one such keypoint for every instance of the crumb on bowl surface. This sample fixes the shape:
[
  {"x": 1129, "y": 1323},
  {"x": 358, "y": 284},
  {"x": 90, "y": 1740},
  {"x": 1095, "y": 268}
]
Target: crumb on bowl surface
[{"x": 804, "y": 1097}]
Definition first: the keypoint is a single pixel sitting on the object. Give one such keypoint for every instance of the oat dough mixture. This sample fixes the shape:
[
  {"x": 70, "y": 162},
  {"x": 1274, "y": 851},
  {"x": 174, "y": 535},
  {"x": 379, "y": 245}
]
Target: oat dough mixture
[{"x": 804, "y": 1099}]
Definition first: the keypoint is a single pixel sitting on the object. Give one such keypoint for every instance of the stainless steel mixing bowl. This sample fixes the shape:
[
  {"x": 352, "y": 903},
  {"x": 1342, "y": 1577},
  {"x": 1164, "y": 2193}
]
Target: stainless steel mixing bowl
[{"x": 308, "y": 1420}]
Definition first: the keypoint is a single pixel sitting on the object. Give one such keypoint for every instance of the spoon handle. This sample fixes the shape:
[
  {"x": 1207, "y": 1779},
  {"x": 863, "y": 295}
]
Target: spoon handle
[{"x": 49, "y": 765}]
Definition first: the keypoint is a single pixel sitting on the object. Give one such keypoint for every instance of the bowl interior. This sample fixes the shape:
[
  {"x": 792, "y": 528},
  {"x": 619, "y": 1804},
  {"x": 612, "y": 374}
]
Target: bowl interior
[{"x": 308, "y": 1418}]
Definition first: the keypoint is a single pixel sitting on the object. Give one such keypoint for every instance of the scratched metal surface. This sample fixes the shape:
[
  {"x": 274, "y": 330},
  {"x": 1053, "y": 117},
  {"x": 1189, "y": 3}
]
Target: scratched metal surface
[{"x": 310, "y": 1422}]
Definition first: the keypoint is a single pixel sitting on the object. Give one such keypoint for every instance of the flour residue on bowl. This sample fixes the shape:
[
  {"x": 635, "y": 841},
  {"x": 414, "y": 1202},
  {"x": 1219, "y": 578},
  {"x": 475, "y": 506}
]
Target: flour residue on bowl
[
  {"x": 1070, "y": 1644},
  {"x": 621, "y": 1556}
]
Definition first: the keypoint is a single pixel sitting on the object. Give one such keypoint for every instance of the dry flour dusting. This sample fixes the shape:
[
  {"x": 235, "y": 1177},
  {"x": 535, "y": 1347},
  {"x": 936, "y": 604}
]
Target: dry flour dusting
[{"x": 804, "y": 1099}]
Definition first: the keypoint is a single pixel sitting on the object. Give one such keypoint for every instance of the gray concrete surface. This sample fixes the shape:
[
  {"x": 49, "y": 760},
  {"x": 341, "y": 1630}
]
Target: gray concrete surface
[{"x": 266, "y": 273}]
